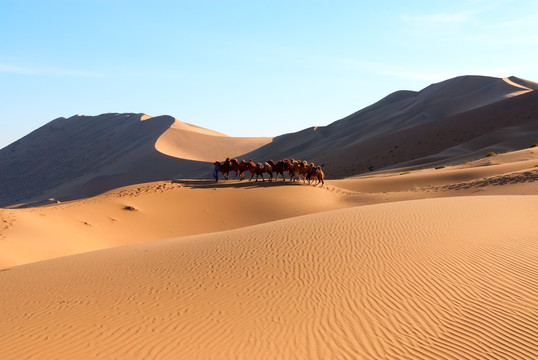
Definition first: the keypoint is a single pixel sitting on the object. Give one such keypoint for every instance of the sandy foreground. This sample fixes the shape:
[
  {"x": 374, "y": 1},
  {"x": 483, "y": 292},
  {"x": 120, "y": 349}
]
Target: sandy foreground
[{"x": 425, "y": 264}]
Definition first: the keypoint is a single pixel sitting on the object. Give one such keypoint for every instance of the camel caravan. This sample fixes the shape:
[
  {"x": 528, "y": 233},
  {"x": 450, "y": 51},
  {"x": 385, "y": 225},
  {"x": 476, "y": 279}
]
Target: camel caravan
[{"x": 296, "y": 169}]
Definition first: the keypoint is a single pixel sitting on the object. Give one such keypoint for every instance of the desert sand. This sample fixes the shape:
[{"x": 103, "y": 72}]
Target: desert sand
[
  {"x": 114, "y": 245},
  {"x": 425, "y": 264}
]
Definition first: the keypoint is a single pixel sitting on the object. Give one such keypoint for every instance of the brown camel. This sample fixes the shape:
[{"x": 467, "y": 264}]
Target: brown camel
[
  {"x": 258, "y": 170},
  {"x": 319, "y": 176},
  {"x": 278, "y": 168},
  {"x": 310, "y": 171},
  {"x": 243, "y": 166},
  {"x": 303, "y": 169},
  {"x": 293, "y": 167},
  {"x": 224, "y": 168},
  {"x": 236, "y": 167}
]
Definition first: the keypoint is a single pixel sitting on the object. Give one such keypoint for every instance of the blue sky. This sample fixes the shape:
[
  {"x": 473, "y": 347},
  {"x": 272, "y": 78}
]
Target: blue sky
[{"x": 246, "y": 68}]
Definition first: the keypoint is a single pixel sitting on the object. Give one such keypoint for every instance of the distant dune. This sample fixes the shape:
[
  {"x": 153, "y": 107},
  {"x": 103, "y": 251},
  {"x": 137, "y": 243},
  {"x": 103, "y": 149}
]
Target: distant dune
[
  {"x": 456, "y": 120},
  {"x": 453, "y": 121},
  {"x": 190, "y": 142},
  {"x": 87, "y": 155}
]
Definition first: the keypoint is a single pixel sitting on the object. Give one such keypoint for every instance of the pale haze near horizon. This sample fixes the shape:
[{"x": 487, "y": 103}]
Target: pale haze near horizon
[{"x": 245, "y": 68}]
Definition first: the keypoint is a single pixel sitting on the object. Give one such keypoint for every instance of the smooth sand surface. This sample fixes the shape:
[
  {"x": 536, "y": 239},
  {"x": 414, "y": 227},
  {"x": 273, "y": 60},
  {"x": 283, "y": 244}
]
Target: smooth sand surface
[
  {"x": 428, "y": 279},
  {"x": 191, "y": 142}
]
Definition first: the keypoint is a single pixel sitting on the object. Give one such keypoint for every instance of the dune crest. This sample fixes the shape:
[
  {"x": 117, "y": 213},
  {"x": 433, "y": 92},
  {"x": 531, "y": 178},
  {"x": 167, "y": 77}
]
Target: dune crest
[
  {"x": 192, "y": 142},
  {"x": 513, "y": 83},
  {"x": 476, "y": 114}
]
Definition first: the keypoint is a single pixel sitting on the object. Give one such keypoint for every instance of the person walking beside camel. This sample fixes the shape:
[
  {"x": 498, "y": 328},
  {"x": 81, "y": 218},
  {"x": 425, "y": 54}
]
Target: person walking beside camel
[{"x": 216, "y": 170}]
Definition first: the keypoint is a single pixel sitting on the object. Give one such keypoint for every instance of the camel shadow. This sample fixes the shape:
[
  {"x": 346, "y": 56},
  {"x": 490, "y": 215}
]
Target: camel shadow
[{"x": 237, "y": 184}]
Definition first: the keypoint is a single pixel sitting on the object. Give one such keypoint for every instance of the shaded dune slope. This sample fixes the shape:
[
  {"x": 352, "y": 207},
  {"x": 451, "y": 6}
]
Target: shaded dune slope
[
  {"x": 419, "y": 126},
  {"x": 446, "y": 278},
  {"x": 86, "y": 155}
]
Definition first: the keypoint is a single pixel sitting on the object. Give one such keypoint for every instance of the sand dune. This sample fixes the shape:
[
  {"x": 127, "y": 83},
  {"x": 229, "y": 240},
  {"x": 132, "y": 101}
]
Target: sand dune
[
  {"x": 458, "y": 119},
  {"x": 420, "y": 180},
  {"x": 407, "y": 260},
  {"x": 152, "y": 211},
  {"x": 190, "y": 142},
  {"x": 86, "y": 155},
  {"x": 185, "y": 207},
  {"x": 439, "y": 278}
]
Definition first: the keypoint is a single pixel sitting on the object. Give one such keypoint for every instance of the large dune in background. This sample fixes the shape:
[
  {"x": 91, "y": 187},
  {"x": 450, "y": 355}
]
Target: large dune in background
[
  {"x": 455, "y": 120},
  {"x": 87, "y": 155},
  {"x": 437, "y": 278},
  {"x": 452, "y": 121}
]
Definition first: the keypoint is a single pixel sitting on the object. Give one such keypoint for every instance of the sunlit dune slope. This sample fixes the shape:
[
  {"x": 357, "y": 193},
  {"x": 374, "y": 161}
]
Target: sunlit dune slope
[
  {"x": 439, "y": 278},
  {"x": 190, "y": 142},
  {"x": 498, "y": 174},
  {"x": 151, "y": 211}
]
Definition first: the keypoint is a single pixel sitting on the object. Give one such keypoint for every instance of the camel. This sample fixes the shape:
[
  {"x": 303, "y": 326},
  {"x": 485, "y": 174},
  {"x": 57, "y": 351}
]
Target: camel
[
  {"x": 278, "y": 168},
  {"x": 310, "y": 171},
  {"x": 292, "y": 167},
  {"x": 225, "y": 168},
  {"x": 306, "y": 171},
  {"x": 303, "y": 170},
  {"x": 243, "y": 166},
  {"x": 230, "y": 165},
  {"x": 258, "y": 170},
  {"x": 236, "y": 167},
  {"x": 319, "y": 176}
]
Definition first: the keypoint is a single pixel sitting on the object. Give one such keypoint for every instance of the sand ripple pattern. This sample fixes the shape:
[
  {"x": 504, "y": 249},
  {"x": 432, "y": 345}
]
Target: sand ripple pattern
[{"x": 429, "y": 279}]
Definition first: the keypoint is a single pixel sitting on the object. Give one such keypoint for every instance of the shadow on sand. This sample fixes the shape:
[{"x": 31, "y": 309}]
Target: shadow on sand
[{"x": 245, "y": 184}]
